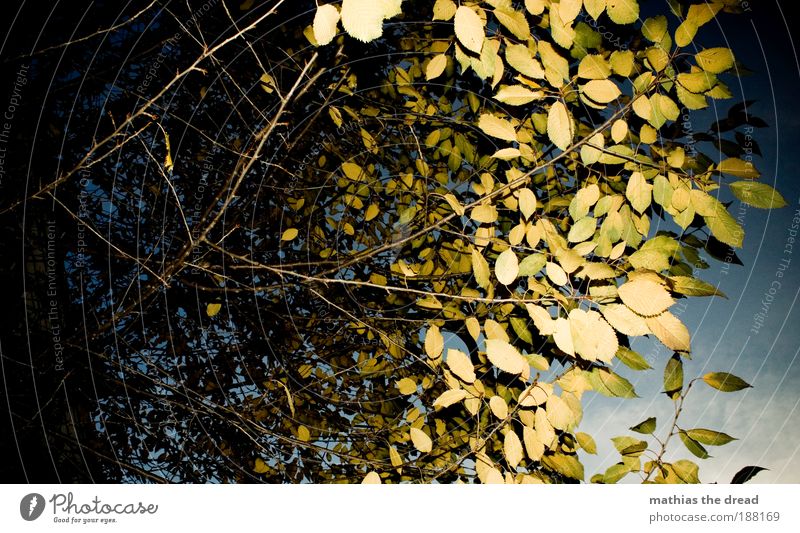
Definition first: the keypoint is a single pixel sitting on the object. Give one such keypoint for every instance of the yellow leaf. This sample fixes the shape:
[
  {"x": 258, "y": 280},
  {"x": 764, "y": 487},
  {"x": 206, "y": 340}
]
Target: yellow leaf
[
  {"x": 325, "y": 21},
  {"x": 168, "y": 164},
  {"x": 715, "y": 60},
  {"x": 289, "y": 235},
  {"x": 494, "y": 477},
  {"x": 619, "y": 131},
  {"x": 454, "y": 204},
  {"x": 444, "y": 9},
  {"x": 484, "y": 214},
  {"x": 473, "y": 326},
  {"x": 569, "y": 9},
  {"x": 602, "y": 91},
  {"x": 645, "y": 297},
  {"x": 303, "y": 434},
  {"x": 363, "y": 19},
  {"x": 639, "y": 192},
  {"x": 499, "y": 407},
  {"x": 556, "y": 66},
  {"x": 591, "y": 151},
  {"x": 623, "y": 11},
  {"x": 541, "y": 319},
  {"x": 506, "y": 268},
  {"x": 394, "y": 457},
  {"x": 594, "y": 67},
  {"x": 480, "y": 269},
  {"x": 536, "y": 7},
  {"x": 556, "y": 274},
  {"x": 697, "y": 82},
  {"x": 582, "y": 230},
  {"x": 517, "y": 95},
  {"x": 535, "y": 395},
  {"x": 560, "y": 128},
  {"x": 507, "y": 154},
  {"x": 512, "y": 448},
  {"x": 434, "y": 342},
  {"x": 469, "y": 29},
  {"x": 450, "y": 397},
  {"x": 505, "y": 357},
  {"x": 519, "y": 57},
  {"x": 670, "y": 331},
  {"x": 654, "y": 29},
  {"x": 372, "y": 211},
  {"x": 514, "y": 20},
  {"x": 592, "y": 337},
  {"x": 213, "y": 309},
  {"x": 533, "y": 445},
  {"x": 436, "y": 66},
  {"x": 460, "y": 364},
  {"x": 407, "y": 386},
  {"x": 352, "y": 170},
  {"x": 527, "y": 202},
  {"x": 421, "y": 441},
  {"x": 544, "y": 430},
  {"x": 624, "y": 320},
  {"x": 739, "y": 168},
  {"x": 494, "y": 330},
  {"x": 372, "y": 479},
  {"x": 559, "y": 414},
  {"x": 622, "y": 62},
  {"x": 260, "y": 466},
  {"x": 685, "y": 33},
  {"x": 497, "y": 127}
]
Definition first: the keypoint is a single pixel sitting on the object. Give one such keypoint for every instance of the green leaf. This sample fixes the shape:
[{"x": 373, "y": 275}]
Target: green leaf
[
  {"x": 632, "y": 360},
  {"x": 686, "y": 471},
  {"x": 629, "y": 446},
  {"x": 615, "y": 472},
  {"x": 655, "y": 28},
  {"x": 725, "y": 382},
  {"x": 758, "y": 195},
  {"x": 647, "y": 427},
  {"x": 520, "y": 327},
  {"x": 709, "y": 437},
  {"x": 673, "y": 376},
  {"x": 586, "y": 442},
  {"x": 693, "y": 446},
  {"x": 532, "y": 265},
  {"x": 582, "y": 230},
  {"x": 725, "y": 228},
  {"x": 610, "y": 384},
  {"x": 567, "y": 465},
  {"x": 693, "y": 287}
]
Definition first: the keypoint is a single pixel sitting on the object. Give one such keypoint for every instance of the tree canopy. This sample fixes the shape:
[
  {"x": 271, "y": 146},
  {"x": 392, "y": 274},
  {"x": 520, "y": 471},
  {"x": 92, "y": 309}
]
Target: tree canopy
[{"x": 375, "y": 240}]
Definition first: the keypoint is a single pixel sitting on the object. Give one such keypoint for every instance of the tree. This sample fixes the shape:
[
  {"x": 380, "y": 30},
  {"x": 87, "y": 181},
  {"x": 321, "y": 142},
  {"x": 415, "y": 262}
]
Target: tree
[{"x": 402, "y": 252}]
